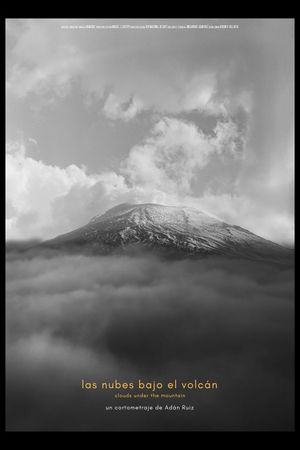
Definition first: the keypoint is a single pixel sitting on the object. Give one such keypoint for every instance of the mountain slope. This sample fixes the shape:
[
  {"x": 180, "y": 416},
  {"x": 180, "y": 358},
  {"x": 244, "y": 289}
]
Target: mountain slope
[{"x": 179, "y": 230}]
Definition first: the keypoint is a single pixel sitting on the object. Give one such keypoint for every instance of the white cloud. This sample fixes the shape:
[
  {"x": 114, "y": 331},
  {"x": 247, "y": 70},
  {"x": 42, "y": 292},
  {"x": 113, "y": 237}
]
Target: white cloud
[
  {"x": 169, "y": 73},
  {"x": 53, "y": 76},
  {"x": 36, "y": 191},
  {"x": 168, "y": 159},
  {"x": 45, "y": 60},
  {"x": 228, "y": 139},
  {"x": 199, "y": 94},
  {"x": 251, "y": 213},
  {"x": 117, "y": 108},
  {"x": 42, "y": 61},
  {"x": 45, "y": 200},
  {"x": 171, "y": 158},
  {"x": 32, "y": 140}
]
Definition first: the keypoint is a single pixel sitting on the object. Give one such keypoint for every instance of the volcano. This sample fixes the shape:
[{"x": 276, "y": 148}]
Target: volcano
[{"x": 171, "y": 230}]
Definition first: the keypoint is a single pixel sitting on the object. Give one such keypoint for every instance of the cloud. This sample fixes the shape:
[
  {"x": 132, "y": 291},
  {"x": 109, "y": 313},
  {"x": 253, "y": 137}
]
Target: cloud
[
  {"x": 32, "y": 140},
  {"x": 198, "y": 94},
  {"x": 115, "y": 108},
  {"x": 43, "y": 62},
  {"x": 202, "y": 93},
  {"x": 171, "y": 158},
  {"x": 251, "y": 213},
  {"x": 45, "y": 200},
  {"x": 46, "y": 60},
  {"x": 36, "y": 195},
  {"x": 242, "y": 155},
  {"x": 73, "y": 317}
]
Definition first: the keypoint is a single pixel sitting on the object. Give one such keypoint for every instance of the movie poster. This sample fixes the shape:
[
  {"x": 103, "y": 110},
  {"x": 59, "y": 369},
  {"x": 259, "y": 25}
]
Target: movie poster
[{"x": 149, "y": 225}]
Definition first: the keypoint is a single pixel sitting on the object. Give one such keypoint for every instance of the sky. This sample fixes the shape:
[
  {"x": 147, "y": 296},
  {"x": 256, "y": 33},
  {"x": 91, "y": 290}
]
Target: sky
[{"x": 98, "y": 115}]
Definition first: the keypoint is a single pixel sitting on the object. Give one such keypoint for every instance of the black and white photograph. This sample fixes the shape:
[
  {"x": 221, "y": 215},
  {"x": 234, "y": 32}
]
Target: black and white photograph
[{"x": 149, "y": 225}]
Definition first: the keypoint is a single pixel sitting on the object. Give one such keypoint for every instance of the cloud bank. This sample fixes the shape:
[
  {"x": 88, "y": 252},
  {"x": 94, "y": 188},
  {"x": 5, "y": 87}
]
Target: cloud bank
[{"x": 74, "y": 317}]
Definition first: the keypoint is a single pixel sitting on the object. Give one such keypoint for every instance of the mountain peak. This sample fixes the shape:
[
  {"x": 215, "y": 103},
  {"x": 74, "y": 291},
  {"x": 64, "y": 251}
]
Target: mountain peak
[{"x": 180, "y": 230}]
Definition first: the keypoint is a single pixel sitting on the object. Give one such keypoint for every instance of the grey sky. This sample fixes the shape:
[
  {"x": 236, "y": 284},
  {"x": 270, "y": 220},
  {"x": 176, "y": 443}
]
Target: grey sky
[{"x": 195, "y": 116}]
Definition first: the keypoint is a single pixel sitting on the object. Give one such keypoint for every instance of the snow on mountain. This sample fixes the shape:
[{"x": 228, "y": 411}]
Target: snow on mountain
[{"x": 181, "y": 230}]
